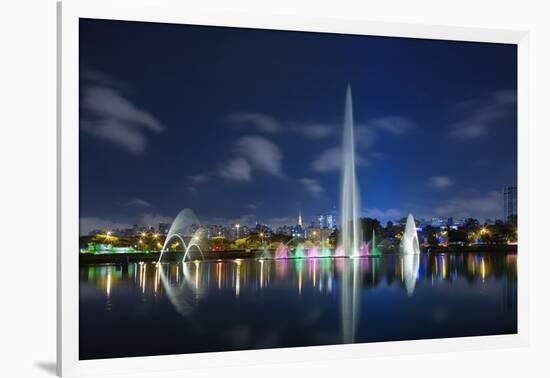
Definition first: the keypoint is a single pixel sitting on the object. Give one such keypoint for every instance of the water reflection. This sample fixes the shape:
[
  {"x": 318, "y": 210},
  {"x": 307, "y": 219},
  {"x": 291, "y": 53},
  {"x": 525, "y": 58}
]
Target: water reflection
[
  {"x": 411, "y": 264},
  {"x": 302, "y": 301},
  {"x": 314, "y": 274}
]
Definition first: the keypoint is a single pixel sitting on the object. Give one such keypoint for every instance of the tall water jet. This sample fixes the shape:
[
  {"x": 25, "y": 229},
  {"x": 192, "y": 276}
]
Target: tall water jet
[
  {"x": 373, "y": 248},
  {"x": 350, "y": 202},
  {"x": 351, "y": 237},
  {"x": 409, "y": 243}
]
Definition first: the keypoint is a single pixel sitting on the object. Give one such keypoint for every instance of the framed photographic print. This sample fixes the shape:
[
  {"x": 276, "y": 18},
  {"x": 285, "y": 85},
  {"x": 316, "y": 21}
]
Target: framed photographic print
[{"x": 237, "y": 188}]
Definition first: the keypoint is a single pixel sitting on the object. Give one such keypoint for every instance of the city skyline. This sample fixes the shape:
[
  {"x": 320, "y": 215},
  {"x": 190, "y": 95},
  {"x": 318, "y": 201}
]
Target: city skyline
[{"x": 263, "y": 121}]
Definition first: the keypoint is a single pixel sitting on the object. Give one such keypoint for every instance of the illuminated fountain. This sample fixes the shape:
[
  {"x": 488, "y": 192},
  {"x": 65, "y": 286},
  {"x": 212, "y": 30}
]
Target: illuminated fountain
[
  {"x": 351, "y": 233},
  {"x": 325, "y": 252},
  {"x": 410, "y": 249},
  {"x": 339, "y": 251},
  {"x": 409, "y": 243},
  {"x": 282, "y": 251},
  {"x": 182, "y": 228},
  {"x": 350, "y": 201},
  {"x": 299, "y": 252},
  {"x": 265, "y": 253},
  {"x": 312, "y": 252},
  {"x": 364, "y": 249},
  {"x": 373, "y": 251}
]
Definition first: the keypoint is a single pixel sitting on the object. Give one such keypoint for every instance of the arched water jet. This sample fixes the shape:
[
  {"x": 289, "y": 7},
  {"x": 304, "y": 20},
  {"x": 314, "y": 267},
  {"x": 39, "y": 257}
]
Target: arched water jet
[{"x": 182, "y": 227}]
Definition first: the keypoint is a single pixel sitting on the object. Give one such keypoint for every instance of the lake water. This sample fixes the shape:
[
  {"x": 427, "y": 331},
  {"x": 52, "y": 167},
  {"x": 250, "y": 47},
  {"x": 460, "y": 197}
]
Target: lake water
[{"x": 141, "y": 309}]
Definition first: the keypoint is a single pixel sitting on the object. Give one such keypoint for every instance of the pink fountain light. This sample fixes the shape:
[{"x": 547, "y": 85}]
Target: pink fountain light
[
  {"x": 282, "y": 251},
  {"x": 364, "y": 249},
  {"x": 339, "y": 252},
  {"x": 313, "y": 252}
]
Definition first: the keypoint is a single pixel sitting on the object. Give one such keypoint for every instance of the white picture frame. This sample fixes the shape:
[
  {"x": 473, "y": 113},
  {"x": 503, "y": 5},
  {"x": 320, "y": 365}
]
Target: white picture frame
[{"x": 68, "y": 363}]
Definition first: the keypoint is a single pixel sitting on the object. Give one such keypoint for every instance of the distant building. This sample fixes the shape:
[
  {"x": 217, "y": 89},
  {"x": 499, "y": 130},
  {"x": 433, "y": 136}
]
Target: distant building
[
  {"x": 441, "y": 222},
  {"x": 285, "y": 230},
  {"x": 319, "y": 234},
  {"x": 164, "y": 228},
  {"x": 327, "y": 220},
  {"x": 459, "y": 222},
  {"x": 510, "y": 202}
]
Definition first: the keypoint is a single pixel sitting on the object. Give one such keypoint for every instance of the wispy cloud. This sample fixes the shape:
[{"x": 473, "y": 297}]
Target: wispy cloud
[
  {"x": 382, "y": 215},
  {"x": 137, "y": 202},
  {"x": 364, "y": 132},
  {"x": 482, "y": 115},
  {"x": 313, "y": 130},
  {"x": 330, "y": 160},
  {"x": 250, "y": 206},
  {"x": 264, "y": 123},
  {"x": 236, "y": 169},
  {"x": 364, "y": 136},
  {"x": 257, "y": 121},
  {"x": 396, "y": 125},
  {"x": 109, "y": 115},
  {"x": 263, "y": 154},
  {"x": 480, "y": 207},
  {"x": 200, "y": 178},
  {"x": 441, "y": 182},
  {"x": 312, "y": 186}
]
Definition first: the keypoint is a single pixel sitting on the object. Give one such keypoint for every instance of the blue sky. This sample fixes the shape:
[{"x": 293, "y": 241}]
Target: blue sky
[{"x": 243, "y": 125}]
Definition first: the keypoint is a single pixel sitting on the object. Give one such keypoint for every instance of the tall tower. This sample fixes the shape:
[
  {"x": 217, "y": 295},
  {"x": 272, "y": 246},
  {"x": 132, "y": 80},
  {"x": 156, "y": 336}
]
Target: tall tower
[
  {"x": 300, "y": 218},
  {"x": 510, "y": 202}
]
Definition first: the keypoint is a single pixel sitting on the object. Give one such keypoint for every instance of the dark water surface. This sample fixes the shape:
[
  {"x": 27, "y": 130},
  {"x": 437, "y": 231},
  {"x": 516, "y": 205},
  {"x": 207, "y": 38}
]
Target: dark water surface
[{"x": 139, "y": 309}]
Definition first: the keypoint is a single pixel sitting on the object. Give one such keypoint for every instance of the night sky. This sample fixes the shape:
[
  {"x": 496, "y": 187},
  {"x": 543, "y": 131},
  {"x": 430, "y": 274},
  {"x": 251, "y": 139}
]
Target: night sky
[{"x": 244, "y": 125}]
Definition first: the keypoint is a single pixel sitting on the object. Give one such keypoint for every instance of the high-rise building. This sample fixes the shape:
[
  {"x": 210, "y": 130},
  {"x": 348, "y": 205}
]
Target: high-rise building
[
  {"x": 327, "y": 220},
  {"x": 300, "y": 218},
  {"x": 510, "y": 202},
  {"x": 439, "y": 221},
  {"x": 331, "y": 221}
]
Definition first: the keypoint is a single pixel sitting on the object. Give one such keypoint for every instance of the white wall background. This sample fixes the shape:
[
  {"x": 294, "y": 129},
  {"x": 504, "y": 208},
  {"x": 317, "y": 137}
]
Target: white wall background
[{"x": 27, "y": 186}]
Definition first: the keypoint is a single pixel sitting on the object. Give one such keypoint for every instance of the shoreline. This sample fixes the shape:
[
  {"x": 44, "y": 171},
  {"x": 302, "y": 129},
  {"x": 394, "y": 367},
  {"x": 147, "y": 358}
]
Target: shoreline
[{"x": 132, "y": 257}]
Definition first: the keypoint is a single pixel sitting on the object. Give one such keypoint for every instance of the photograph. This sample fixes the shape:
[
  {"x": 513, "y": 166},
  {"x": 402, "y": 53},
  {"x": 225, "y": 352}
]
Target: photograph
[{"x": 244, "y": 189}]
